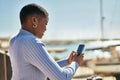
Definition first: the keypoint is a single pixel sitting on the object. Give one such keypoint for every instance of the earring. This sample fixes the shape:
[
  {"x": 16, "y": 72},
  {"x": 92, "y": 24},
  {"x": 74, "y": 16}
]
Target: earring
[{"x": 34, "y": 26}]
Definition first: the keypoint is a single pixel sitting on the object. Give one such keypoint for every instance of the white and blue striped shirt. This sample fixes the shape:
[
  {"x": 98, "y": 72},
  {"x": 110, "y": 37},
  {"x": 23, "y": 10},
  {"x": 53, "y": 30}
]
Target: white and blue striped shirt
[{"x": 31, "y": 61}]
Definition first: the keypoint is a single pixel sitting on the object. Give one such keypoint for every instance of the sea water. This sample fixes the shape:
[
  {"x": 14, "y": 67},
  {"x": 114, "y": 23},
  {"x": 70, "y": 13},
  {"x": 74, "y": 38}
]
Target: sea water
[{"x": 69, "y": 48}]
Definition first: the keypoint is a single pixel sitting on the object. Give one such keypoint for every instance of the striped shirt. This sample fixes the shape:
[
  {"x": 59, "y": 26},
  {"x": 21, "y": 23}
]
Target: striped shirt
[{"x": 31, "y": 61}]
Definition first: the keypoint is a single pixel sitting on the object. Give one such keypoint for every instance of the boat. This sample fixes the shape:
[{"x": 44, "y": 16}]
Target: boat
[{"x": 107, "y": 61}]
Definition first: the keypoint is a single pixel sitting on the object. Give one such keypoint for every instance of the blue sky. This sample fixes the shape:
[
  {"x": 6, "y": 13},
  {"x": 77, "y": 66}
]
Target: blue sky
[{"x": 68, "y": 19}]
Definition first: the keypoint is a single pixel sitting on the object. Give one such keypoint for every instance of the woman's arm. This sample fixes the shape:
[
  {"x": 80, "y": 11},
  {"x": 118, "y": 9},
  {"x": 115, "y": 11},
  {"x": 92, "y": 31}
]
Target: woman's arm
[{"x": 38, "y": 56}]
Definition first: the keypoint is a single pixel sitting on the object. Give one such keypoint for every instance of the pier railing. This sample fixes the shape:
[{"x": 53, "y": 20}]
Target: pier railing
[{"x": 5, "y": 66}]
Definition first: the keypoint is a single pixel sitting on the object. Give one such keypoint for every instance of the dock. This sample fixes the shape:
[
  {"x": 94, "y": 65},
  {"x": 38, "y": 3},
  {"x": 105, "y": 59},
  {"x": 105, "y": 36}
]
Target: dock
[{"x": 84, "y": 72}]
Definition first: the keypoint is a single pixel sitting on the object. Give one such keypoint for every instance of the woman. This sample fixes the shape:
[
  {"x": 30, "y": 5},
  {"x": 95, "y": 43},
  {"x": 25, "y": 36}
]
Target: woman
[{"x": 29, "y": 58}]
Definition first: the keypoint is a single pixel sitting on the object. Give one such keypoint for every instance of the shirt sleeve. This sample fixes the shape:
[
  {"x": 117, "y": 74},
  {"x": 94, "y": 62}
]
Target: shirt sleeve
[
  {"x": 36, "y": 54},
  {"x": 62, "y": 63}
]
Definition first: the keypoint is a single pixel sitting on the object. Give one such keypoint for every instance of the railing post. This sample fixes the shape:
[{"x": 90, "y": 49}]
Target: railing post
[{"x": 5, "y": 66}]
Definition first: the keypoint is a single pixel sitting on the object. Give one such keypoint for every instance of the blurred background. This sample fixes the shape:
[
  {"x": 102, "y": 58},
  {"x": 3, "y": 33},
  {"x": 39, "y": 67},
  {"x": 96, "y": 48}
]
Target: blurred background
[{"x": 95, "y": 23}]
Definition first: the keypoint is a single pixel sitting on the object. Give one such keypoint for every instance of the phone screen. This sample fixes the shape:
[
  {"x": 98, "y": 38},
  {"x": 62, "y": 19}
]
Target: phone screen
[{"x": 80, "y": 49}]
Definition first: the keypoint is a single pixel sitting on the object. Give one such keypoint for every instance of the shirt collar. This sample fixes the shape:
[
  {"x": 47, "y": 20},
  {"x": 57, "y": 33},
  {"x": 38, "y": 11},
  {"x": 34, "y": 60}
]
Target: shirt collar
[{"x": 23, "y": 31}]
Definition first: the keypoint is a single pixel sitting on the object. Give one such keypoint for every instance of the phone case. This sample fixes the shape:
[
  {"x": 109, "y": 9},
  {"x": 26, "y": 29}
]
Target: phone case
[{"x": 80, "y": 49}]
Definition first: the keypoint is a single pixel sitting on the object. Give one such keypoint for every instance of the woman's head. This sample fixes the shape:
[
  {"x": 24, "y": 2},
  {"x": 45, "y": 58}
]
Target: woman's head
[
  {"x": 34, "y": 19},
  {"x": 32, "y": 9}
]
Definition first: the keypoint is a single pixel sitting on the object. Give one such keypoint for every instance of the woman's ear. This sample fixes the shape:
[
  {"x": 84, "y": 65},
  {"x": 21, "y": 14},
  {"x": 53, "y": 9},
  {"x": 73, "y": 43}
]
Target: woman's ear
[{"x": 34, "y": 21}]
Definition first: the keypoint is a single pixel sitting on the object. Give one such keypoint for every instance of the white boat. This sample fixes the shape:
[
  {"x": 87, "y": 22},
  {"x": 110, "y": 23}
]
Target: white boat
[{"x": 107, "y": 61}]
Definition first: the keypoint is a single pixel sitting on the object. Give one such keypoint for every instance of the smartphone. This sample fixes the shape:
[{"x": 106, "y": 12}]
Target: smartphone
[{"x": 80, "y": 49}]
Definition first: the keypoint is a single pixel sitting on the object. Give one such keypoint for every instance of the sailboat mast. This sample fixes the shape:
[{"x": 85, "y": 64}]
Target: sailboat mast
[{"x": 101, "y": 20}]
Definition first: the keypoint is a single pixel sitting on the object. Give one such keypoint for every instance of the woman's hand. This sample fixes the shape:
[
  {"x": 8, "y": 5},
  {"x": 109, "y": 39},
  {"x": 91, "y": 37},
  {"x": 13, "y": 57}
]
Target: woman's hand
[
  {"x": 74, "y": 57},
  {"x": 79, "y": 59},
  {"x": 71, "y": 57}
]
